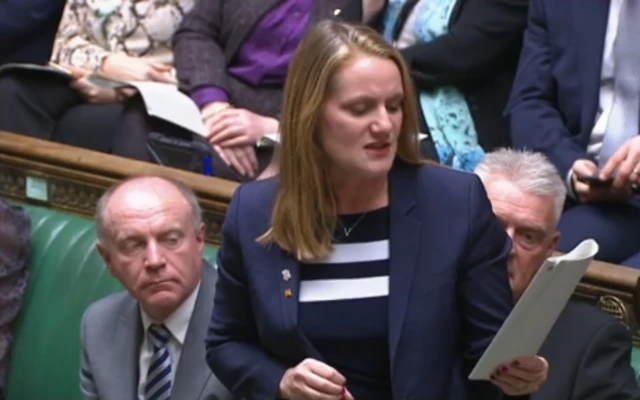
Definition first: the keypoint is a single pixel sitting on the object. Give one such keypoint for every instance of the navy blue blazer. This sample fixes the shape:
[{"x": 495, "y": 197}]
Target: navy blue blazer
[
  {"x": 449, "y": 290},
  {"x": 555, "y": 94},
  {"x": 28, "y": 29}
]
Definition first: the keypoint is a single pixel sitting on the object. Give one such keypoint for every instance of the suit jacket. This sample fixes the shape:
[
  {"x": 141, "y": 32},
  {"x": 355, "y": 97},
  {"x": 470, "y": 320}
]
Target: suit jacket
[
  {"x": 479, "y": 56},
  {"x": 556, "y": 90},
  {"x": 111, "y": 339},
  {"x": 589, "y": 356},
  {"x": 28, "y": 29},
  {"x": 449, "y": 291},
  {"x": 211, "y": 35}
]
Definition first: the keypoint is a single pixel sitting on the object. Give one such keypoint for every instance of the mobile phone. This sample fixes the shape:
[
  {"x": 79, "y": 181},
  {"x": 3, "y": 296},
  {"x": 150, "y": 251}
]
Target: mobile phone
[{"x": 594, "y": 181}]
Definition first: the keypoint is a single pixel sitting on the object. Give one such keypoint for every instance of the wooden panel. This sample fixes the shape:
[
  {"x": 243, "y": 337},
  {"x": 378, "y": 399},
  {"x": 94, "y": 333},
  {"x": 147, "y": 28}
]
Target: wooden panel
[{"x": 76, "y": 178}]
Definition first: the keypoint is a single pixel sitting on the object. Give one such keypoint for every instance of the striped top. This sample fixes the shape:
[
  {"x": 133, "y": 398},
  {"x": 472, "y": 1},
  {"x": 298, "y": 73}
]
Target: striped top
[{"x": 343, "y": 306}]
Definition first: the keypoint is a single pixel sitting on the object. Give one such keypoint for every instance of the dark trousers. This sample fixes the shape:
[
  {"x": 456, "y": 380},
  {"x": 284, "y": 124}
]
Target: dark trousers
[
  {"x": 48, "y": 108},
  {"x": 615, "y": 226}
]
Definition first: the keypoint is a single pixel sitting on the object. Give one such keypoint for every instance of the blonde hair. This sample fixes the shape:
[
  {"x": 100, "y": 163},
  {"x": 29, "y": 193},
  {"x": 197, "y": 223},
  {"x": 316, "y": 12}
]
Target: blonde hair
[{"x": 305, "y": 212}]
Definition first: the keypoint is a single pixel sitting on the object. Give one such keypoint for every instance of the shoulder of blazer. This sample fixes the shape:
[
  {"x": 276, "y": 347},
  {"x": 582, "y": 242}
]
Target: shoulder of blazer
[
  {"x": 101, "y": 315},
  {"x": 582, "y": 317},
  {"x": 444, "y": 179}
]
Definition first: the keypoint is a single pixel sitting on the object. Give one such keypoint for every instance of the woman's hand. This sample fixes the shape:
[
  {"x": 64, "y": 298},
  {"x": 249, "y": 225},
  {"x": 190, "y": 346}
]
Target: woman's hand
[
  {"x": 313, "y": 380},
  {"x": 238, "y": 127},
  {"x": 125, "y": 68},
  {"x": 524, "y": 375},
  {"x": 94, "y": 94},
  {"x": 242, "y": 158}
]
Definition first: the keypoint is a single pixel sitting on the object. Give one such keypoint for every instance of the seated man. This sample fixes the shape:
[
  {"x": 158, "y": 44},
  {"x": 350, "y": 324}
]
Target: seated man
[
  {"x": 576, "y": 98},
  {"x": 148, "y": 343},
  {"x": 27, "y": 29},
  {"x": 589, "y": 351}
]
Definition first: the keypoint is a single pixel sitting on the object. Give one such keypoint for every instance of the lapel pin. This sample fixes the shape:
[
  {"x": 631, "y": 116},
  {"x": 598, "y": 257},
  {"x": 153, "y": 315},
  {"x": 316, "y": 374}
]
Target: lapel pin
[
  {"x": 288, "y": 294},
  {"x": 337, "y": 12},
  {"x": 286, "y": 275}
]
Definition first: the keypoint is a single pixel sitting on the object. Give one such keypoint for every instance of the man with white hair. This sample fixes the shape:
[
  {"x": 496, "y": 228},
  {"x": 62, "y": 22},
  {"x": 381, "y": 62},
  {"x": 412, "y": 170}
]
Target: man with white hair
[
  {"x": 589, "y": 352},
  {"x": 148, "y": 343}
]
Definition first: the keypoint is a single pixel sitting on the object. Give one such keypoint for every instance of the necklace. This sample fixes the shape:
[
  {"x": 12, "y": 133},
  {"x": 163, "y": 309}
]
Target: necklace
[{"x": 347, "y": 230}]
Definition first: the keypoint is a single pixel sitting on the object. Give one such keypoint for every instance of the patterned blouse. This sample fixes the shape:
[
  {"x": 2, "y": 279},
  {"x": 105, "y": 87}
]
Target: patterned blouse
[{"x": 90, "y": 30}]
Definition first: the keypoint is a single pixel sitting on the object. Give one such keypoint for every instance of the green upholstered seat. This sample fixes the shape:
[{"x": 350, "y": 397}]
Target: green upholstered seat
[{"x": 67, "y": 274}]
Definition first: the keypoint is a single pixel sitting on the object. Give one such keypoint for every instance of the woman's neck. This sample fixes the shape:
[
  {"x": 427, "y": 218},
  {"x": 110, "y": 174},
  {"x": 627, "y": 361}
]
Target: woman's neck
[{"x": 359, "y": 196}]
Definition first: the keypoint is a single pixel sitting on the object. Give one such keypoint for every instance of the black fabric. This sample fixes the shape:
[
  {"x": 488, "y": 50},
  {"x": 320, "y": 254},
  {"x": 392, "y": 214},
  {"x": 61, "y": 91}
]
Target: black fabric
[
  {"x": 28, "y": 29},
  {"x": 589, "y": 355},
  {"x": 46, "y": 108}
]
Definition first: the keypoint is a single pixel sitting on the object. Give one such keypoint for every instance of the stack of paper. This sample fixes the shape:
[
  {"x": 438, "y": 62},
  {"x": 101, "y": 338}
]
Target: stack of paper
[{"x": 528, "y": 325}]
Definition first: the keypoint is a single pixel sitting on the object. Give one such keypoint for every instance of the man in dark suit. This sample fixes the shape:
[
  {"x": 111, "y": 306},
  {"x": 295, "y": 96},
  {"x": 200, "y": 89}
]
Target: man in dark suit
[
  {"x": 28, "y": 29},
  {"x": 148, "y": 343},
  {"x": 589, "y": 352},
  {"x": 576, "y": 98}
]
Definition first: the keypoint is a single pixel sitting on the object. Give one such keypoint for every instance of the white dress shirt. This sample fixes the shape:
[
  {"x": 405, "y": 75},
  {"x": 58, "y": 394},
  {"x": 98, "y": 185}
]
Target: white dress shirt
[
  {"x": 606, "y": 81},
  {"x": 605, "y": 101},
  {"x": 177, "y": 324}
]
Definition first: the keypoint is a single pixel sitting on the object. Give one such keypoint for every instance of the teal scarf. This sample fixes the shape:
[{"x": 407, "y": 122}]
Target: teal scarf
[{"x": 445, "y": 109}]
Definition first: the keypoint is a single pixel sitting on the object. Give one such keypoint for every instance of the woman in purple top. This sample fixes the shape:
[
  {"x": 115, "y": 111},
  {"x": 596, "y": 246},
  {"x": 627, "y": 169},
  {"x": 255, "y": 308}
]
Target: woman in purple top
[{"x": 232, "y": 57}]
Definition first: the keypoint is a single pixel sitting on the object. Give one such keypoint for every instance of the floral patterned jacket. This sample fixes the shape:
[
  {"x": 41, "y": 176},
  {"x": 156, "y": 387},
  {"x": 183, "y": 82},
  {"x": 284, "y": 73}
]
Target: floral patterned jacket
[{"x": 90, "y": 30}]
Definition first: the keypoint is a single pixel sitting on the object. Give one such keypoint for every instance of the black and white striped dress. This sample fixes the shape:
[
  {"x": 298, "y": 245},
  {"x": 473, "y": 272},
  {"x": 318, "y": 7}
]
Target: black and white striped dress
[{"x": 344, "y": 305}]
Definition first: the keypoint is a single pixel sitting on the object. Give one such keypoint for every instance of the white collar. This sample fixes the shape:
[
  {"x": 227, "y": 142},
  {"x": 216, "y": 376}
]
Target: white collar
[{"x": 178, "y": 322}]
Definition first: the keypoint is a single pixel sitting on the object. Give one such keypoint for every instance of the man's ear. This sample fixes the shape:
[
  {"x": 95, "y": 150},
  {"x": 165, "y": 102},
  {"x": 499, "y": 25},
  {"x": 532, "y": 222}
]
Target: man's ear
[
  {"x": 554, "y": 243},
  {"x": 201, "y": 235},
  {"x": 104, "y": 253}
]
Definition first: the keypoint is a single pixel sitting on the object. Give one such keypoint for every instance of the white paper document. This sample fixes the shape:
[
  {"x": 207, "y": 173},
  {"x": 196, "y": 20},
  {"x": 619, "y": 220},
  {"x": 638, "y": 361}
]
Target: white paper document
[
  {"x": 163, "y": 101},
  {"x": 530, "y": 321}
]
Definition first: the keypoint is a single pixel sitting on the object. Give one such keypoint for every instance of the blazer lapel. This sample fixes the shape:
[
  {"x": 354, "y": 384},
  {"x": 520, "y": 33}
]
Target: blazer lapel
[
  {"x": 287, "y": 272},
  {"x": 590, "y": 21},
  {"x": 193, "y": 373},
  {"x": 123, "y": 352},
  {"x": 404, "y": 242}
]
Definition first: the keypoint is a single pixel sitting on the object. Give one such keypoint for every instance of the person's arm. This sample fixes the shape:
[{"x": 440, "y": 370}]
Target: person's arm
[
  {"x": 233, "y": 351},
  {"x": 474, "y": 47},
  {"x": 485, "y": 295},
  {"x": 536, "y": 123},
  {"x": 87, "y": 385},
  {"x": 199, "y": 59},
  {"x": 605, "y": 371},
  {"x": 19, "y": 19}
]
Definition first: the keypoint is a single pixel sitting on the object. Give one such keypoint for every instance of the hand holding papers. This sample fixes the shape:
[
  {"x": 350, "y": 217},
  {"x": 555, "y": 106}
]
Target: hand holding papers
[{"x": 528, "y": 325}]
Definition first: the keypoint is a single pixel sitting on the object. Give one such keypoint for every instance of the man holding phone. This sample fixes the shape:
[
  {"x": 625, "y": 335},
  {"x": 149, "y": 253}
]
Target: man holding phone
[{"x": 576, "y": 98}]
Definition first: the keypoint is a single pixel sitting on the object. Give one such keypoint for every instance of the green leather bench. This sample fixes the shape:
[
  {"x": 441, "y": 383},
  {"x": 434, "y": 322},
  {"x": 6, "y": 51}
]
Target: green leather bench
[{"x": 67, "y": 274}]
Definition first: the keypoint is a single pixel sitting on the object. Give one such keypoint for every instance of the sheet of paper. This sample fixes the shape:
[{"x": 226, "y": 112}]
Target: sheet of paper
[
  {"x": 165, "y": 101},
  {"x": 529, "y": 323},
  {"x": 162, "y": 100}
]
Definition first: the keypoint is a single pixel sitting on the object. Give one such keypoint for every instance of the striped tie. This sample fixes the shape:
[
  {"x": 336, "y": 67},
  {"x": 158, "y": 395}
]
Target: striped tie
[{"x": 158, "y": 386}]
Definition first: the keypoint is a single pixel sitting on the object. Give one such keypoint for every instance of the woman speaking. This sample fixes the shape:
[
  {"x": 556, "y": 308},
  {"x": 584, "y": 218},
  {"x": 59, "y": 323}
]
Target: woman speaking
[{"x": 359, "y": 272}]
